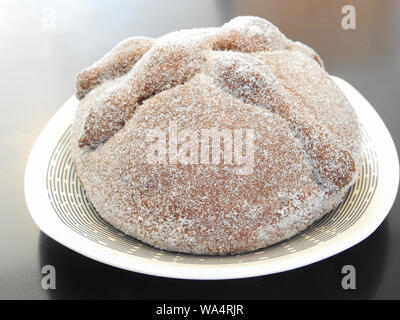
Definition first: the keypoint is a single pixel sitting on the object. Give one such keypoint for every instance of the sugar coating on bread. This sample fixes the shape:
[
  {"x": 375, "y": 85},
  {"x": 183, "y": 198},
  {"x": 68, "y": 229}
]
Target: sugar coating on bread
[
  {"x": 114, "y": 64},
  {"x": 244, "y": 78}
]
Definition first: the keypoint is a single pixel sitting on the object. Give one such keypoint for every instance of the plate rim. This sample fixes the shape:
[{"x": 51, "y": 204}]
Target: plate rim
[{"x": 56, "y": 230}]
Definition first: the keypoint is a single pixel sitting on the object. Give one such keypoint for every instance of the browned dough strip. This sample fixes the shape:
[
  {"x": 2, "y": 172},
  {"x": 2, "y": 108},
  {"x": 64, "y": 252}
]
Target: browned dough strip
[
  {"x": 255, "y": 82},
  {"x": 114, "y": 64}
]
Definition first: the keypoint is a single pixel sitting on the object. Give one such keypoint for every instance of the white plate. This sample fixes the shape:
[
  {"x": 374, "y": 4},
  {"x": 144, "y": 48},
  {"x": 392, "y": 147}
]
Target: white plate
[{"x": 60, "y": 208}]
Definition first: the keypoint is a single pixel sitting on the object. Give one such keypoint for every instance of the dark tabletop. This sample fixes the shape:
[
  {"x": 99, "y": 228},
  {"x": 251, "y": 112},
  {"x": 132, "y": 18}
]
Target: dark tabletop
[{"x": 44, "y": 44}]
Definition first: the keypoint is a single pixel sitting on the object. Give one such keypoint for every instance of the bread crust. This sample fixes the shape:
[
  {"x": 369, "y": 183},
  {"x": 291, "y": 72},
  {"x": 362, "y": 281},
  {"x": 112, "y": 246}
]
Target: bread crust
[{"x": 245, "y": 75}]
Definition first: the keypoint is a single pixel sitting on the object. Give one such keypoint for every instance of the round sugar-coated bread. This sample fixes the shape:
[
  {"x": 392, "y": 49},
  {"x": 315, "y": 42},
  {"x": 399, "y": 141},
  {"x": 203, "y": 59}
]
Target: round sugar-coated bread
[{"x": 213, "y": 141}]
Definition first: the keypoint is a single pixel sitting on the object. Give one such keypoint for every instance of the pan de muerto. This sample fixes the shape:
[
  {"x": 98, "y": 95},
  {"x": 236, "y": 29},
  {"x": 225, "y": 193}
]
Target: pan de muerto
[{"x": 213, "y": 141}]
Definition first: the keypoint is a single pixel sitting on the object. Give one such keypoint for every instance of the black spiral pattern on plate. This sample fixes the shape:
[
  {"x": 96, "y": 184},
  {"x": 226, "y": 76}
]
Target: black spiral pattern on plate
[{"x": 73, "y": 208}]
